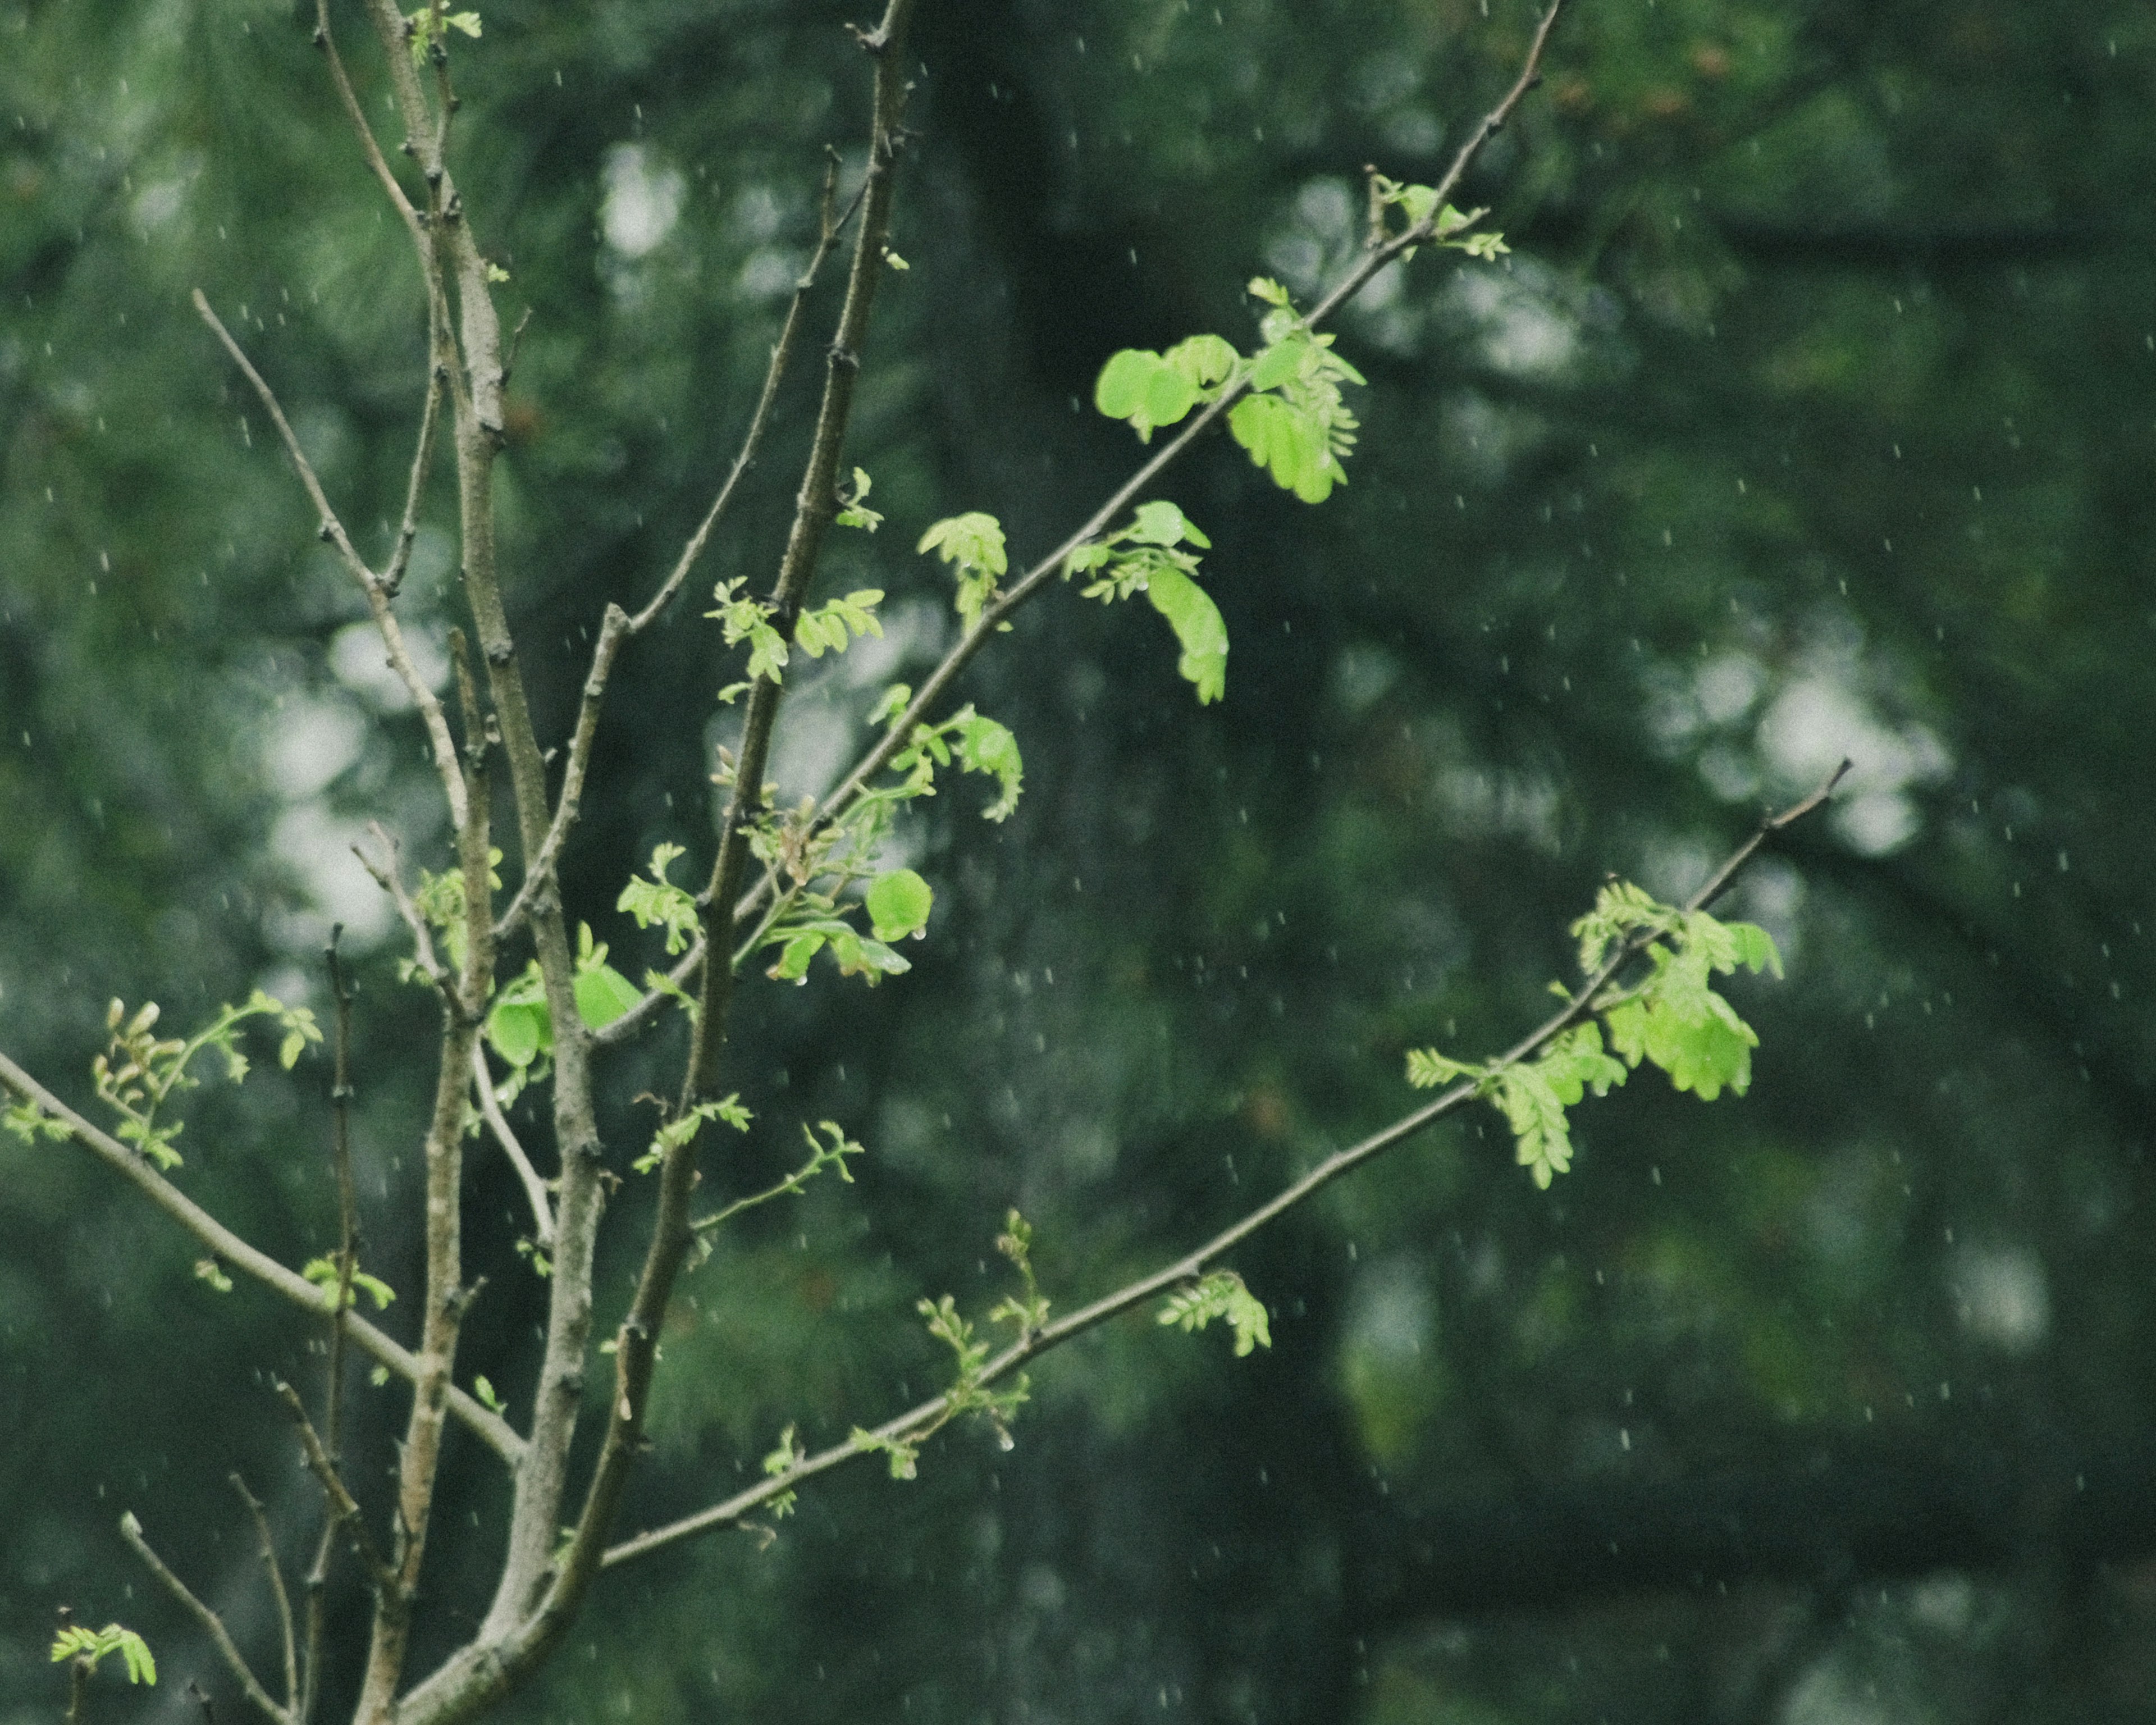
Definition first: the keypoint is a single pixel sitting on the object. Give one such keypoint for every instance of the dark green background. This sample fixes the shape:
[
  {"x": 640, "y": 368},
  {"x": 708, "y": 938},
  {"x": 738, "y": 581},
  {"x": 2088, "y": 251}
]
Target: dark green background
[{"x": 1812, "y": 414}]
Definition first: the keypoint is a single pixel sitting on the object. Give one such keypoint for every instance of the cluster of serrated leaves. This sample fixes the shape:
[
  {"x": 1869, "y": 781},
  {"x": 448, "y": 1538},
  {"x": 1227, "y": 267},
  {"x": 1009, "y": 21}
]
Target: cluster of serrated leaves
[
  {"x": 831, "y": 626},
  {"x": 1671, "y": 1018},
  {"x": 1027, "y": 1312},
  {"x": 1220, "y": 1293},
  {"x": 138, "y": 1071},
  {"x": 972, "y": 544},
  {"x": 440, "y": 899},
  {"x": 898, "y": 903},
  {"x": 685, "y": 1125},
  {"x": 428, "y": 30},
  {"x": 1146, "y": 555},
  {"x": 968, "y": 1394},
  {"x": 74, "y": 1642},
  {"x": 977, "y": 742}
]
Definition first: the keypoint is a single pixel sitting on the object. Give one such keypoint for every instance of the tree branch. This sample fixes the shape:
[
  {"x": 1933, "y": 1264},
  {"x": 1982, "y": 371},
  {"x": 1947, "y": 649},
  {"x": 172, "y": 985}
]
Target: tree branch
[
  {"x": 221, "y": 1241},
  {"x": 344, "y": 1507},
  {"x": 817, "y": 502},
  {"x": 378, "y": 593},
  {"x": 266, "y": 1548},
  {"x": 931, "y": 1414},
  {"x": 617, "y": 626},
  {"x": 131, "y": 1530},
  {"x": 497, "y": 1122}
]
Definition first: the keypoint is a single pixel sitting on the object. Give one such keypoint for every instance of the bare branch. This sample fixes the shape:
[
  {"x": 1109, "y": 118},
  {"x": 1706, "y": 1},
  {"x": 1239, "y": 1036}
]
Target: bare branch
[
  {"x": 497, "y": 1122},
  {"x": 423, "y": 457},
  {"x": 266, "y": 1548},
  {"x": 131, "y": 1530},
  {"x": 390, "y": 878},
  {"x": 918, "y": 1421},
  {"x": 344, "y": 1507},
  {"x": 371, "y": 150},
  {"x": 814, "y": 506},
  {"x": 230, "y": 1248},
  {"x": 378, "y": 595}
]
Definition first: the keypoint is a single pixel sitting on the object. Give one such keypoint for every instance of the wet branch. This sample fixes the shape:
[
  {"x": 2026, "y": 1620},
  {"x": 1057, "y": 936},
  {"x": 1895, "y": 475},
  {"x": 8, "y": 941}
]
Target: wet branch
[
  {"x": 229, "y": 1248},
  {"x": 213, "y": 1625},
  {"x": 916, "y": 1422}
]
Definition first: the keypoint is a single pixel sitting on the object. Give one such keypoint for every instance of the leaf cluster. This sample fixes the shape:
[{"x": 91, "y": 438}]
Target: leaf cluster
[
  {"x": 138, "y": 1071},
  {"x": 831, "y": 626},
  {"x": 92, "y": 1645},
  {"x": 1671, "y": 1018},
  {"x": 1145, "y": 555},
  {"x": 972, "y": 544}
]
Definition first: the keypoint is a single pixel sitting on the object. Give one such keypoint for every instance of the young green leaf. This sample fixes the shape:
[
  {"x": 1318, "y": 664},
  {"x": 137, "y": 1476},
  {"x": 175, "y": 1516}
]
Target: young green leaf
[
  {"x": 658, "y": 900},
  {"x": 973, "y": 544},
  {"x": 1196, "y": 620},
  {"x": 899, "y": 903},
  {"x": 1221, "y": 1294},
  {"x": 603, "y": 993},
  {"x": 985, "y": 746}
]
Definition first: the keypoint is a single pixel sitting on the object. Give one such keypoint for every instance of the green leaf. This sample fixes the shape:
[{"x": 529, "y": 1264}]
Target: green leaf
[
  {"x": 899, "y": 903},
  {"x": 1196, "y": 620},
  {"x": 322, "y": 1273},
  {"x": 973, "y": 543},
  {"x": 603, "y": 994},
  {"x": 1221, "y": 1294},
  {"x": 1160, "y": 522},
  {"x": 1427, "y": 1068},
  {"x": 1204, "y": 360},
  {"x": 1281, "y": 362},
  {"x": 1149, "y": 390},
  {"x": 1120, "y": 388},
  {"x": 1287, "y": 444},
  {"x": 984, "y": 746},
  {"x": 793, "y": 965},
  {"x": 517, "y": 1030},
  {"x": 658, "y": 900}
]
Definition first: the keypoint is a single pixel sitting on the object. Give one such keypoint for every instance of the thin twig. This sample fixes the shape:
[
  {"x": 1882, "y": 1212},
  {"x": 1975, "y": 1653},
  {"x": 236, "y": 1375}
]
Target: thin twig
[
  {"x": 325, "y": 41},
  {"x": 391, "y": 879},
  {"x": 229, "y": 1248},
  {"x": 266, "y": 1548},
  {"x": 348, "y": 1255},
  {"x": 423, "y": 460},
  {"x": 378, "y": 595},
  {"x": 344, "y": 1507},
  {"x": 616, "y": 626},
  {"x": 497, "y": 1122},
  {"x": 929, "y": 1414},
  {"x": 131, "y": 1530}
]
